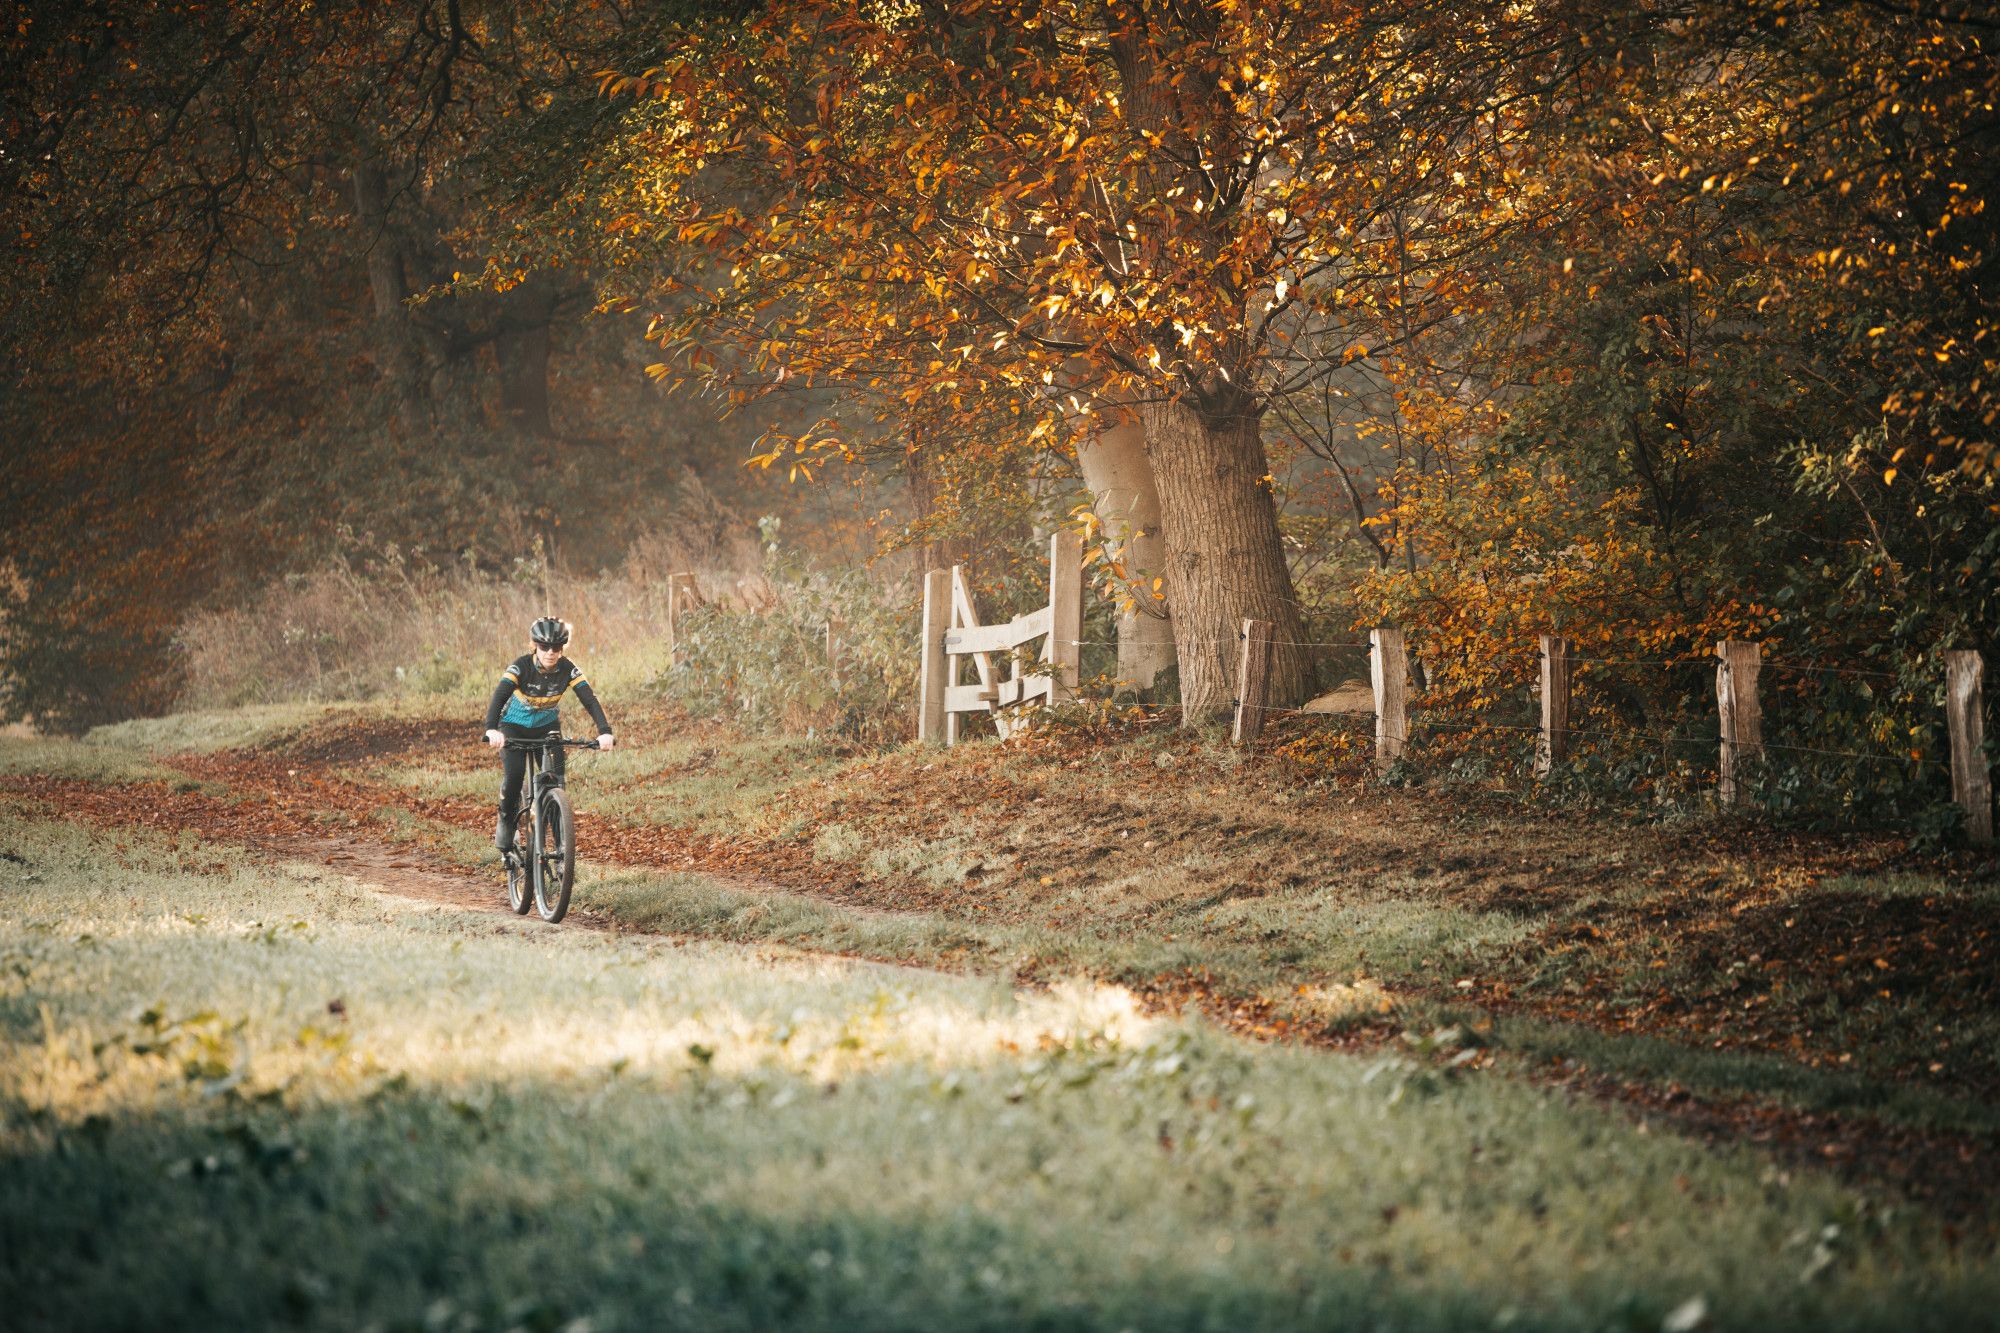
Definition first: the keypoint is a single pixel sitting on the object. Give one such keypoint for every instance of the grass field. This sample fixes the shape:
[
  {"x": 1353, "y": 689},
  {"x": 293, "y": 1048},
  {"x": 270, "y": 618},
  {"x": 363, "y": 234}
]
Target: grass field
[
  {"x": 243, "y": 1095},
  {"x": 1721, "y": 958}
]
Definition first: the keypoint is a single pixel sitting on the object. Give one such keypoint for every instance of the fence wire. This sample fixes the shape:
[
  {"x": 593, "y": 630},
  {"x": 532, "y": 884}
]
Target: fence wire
[
  {"x": 1622, "y": 737},
  {"x": 1789, "y": 665}
]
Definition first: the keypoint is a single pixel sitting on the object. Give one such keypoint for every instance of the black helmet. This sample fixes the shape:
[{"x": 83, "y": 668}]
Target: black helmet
[{"x": 548, "y": 632}]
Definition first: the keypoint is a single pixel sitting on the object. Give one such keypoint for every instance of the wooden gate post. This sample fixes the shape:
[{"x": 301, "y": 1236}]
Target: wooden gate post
[
  {"x": 1253, "y": 679},
  {"x": 965, "y": 615},
  {"x": 1554, "y": 742},
  {"x": 1964, "y": 709},
  {"x": 682, "y": 597},
  {"x": 1065, "y": 614},
  {"x": 1388, "y": 671},
  {"x": 1742, "y": 717},
  {"x": 930, "y": 674}
]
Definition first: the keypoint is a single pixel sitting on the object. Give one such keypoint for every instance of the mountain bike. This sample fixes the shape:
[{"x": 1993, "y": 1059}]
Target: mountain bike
[{"x": 541, "y": 866}]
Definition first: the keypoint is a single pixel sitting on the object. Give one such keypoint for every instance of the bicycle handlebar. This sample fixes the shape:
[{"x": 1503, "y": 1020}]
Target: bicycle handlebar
[{"x": 565, "y": 742}]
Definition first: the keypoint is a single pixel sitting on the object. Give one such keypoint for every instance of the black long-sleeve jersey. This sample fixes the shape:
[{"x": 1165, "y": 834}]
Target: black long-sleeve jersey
[{"x": 528, "y": 696}]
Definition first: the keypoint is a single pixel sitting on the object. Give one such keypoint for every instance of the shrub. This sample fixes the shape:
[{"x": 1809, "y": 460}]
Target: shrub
[{"x": 765, "y": 663}]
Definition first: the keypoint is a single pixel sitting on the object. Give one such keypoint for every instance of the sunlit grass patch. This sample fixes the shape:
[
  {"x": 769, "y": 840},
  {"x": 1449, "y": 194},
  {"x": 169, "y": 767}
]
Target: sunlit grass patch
[
  {"x": 740, "y": 792},
  {"x": 50, "y": 757},
  {"x": 1338, "y": 1005},
  {"x": 941, "y": 863},
  {"x": 1411, "y": 934},
  {"x": 254, "y": 1097},
  {"x": 839, "y": 843},
  {"x": 200, "y": 731},
  {"x": 735, "y": 791},
  {"x": 697, "y": 905},
  {"x": 440, "y": 782},
  {"x": 1908, "y": 885}
]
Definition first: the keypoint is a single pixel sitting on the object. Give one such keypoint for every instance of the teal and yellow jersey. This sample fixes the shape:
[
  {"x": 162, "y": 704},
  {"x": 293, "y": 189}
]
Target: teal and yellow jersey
[{"x": 528, "y": 696}]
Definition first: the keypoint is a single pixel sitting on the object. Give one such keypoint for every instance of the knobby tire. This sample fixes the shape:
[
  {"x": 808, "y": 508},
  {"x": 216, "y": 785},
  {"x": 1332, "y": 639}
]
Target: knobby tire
[{"x": 555, "y": 860}]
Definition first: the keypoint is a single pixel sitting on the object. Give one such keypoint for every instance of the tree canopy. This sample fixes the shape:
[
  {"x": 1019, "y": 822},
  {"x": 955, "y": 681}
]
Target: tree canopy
[{"x": 1686, "y": 311}]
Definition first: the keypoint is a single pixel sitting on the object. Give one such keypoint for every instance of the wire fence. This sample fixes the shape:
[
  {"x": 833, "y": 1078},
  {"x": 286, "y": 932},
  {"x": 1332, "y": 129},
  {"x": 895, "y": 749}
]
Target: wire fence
[
  {"x": 1610, "y": 736},
  {"x": 1452, "y": 686},
  {"x": 1687, "y": 660}
]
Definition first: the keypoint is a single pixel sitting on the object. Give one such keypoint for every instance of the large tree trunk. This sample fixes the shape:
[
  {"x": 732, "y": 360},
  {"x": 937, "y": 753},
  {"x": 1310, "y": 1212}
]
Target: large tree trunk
[
  {"x": 521, "y": 353},
  {"x": 524, "y": 378},
  {"x": 1225, "y": 560},
  {"x": 397, "y": 356},
  {"x": 388, "y": 285},
  {"x": 1120, "y": 477}
]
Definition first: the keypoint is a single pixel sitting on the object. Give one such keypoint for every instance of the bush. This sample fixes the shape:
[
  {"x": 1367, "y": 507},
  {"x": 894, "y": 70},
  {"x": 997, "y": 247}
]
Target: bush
[{"x": 766, "y": 664}]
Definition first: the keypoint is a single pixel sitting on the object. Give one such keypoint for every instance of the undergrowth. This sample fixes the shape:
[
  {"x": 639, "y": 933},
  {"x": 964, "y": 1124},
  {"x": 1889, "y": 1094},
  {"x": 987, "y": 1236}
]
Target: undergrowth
[{"x": 822, "y": 653}]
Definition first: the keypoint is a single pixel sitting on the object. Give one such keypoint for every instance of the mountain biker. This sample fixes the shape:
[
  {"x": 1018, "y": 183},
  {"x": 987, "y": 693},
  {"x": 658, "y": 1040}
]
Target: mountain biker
[{"x": 525, "y": 707}]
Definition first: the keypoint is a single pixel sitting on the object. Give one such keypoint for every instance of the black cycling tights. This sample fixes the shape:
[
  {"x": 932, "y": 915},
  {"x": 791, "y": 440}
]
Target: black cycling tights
[{"x": 514, "y": 763}]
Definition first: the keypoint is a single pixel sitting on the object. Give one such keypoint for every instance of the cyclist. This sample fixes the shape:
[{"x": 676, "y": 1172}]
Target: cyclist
[{"x": 525, "y": 707}]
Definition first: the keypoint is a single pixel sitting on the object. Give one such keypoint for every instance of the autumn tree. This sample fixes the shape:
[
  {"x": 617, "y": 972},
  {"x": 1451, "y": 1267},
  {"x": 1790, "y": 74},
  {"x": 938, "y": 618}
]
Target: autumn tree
[
  {"x": 1733, "y": 367},
  {"x": 254, "y": 300},
  {"x": 1128, "y": 204}
]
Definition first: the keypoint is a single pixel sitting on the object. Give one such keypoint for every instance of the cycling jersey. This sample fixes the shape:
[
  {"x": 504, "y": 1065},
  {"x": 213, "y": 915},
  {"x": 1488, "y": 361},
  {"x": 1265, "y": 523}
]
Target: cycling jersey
[{"x": 528, "y": 696}]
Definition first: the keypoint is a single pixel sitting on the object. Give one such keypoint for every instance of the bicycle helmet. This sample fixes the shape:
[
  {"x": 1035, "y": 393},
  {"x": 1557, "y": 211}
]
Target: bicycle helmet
[{"x": 548, "y": 632}]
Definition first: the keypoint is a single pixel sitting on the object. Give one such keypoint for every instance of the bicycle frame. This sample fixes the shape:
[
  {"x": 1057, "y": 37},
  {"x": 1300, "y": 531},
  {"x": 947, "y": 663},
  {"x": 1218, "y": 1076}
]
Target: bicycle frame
[
  {"x": 537, "y": 782},
  {"x": 538, "y": 778}
]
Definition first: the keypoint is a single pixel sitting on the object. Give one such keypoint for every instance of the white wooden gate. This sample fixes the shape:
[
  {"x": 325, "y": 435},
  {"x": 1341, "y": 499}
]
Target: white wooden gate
[{"x": 953, "y": 634}]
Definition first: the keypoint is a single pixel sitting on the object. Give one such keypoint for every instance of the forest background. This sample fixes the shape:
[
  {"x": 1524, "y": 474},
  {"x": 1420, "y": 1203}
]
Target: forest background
[{"x": 338, "y": 337}]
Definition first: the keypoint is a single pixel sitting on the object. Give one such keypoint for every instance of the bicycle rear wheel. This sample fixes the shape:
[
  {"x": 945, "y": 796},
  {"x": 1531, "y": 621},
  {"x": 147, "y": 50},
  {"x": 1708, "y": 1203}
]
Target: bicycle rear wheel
[{"x": 555, "y": 860}]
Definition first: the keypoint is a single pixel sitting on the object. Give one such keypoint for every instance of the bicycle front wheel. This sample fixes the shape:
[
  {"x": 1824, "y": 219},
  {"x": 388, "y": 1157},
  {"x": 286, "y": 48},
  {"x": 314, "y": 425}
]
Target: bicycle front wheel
[
  {"x": 520, "y": 892},
  {"x": 555, "y": 858}
]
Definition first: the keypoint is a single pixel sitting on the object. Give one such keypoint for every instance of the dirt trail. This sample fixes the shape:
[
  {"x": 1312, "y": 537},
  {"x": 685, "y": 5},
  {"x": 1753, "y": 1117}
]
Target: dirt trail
[
  {"x": 279, "y": 827},
  {"x": 272, "y": 831},
  {"x": 409, "y": 875}
]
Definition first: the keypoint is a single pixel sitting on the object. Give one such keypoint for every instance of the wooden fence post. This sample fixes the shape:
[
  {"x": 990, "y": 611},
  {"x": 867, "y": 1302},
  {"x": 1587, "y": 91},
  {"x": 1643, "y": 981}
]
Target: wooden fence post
[
  {"x": 1253, "y": 678},
  {"x": 930, "y": 675},
  {"x": 1742, "y": 717},
  {"x": 682, "y": 597},
  {"x": 1964, "y": 709},
  {"x": 965, "y": 615},
  {"x": 1388, "y": 670},
  {"x": 1554, "y": 741},
  {"x": 1065, "y": 614}
]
